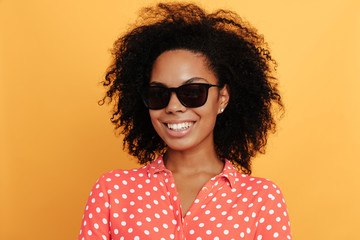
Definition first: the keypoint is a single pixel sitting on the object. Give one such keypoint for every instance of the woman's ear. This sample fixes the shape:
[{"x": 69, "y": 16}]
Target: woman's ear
[{"x": 224, "y": 97}]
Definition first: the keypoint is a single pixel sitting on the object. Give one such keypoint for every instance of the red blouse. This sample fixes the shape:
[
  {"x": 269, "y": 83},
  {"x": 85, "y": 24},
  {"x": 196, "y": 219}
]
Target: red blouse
[{"x": 143, "y": 203}]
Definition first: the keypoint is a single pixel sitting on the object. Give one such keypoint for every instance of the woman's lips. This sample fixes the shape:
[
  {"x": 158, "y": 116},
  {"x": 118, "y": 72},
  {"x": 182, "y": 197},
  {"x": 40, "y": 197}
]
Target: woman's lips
[{"x": 179, "y": 129}]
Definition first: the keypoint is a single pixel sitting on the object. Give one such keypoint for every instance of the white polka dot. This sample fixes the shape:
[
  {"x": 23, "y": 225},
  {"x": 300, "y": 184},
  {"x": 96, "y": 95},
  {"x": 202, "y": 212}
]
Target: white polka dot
[
  {"x": 240, "y": 212},
  {"x": 116, "y": 231},
  {"x": 212, "y": 219},
  {"x": 268, "y": 227},
  {"x": 89, "y": 232},
  {"x": 271, "y": 212},
  {"x": 165, "y": 226},
  {"x": 262, "y": 220},
  {"x": 248, "y": 230},
  {"x": 116, "y": 187},
  {"x": 244, "y": 199},
  {"x": 276, "y": 235},
  {"x": 130, "y": 230},
  {"x": 96, "y": 226},
  {"x": 201, "y": 224},
  {"x": 236, "y": 225},
  {"x": 284, "y": 227},
  {"x": 123, "y": 223},
  {"x": 131, "y": 216},
  {"x": 229, "y": 218},
  {"x": 259, "y": 237},
  {"x": 124, "y": 182},
  {"x": 207, "y": 212},
  {"x": 208, "y": 232},
  {"x": 104, "y": 221},
  {"x": 192, "y": 232},
  {"x": 242, "y": 234},
  {"x": 124, "y": 209},
  {"x": 278, "y": 219},
  {"x": 146, "y": 232},
  {"x": 172, "y": 236},
  {"x": 246, "y": 219},
  {"x": 226, "y": 232},
  {"x": 90, "y": 215},
  {"x": 218, "y": 225},
  {"x": 138, "y": 223}
]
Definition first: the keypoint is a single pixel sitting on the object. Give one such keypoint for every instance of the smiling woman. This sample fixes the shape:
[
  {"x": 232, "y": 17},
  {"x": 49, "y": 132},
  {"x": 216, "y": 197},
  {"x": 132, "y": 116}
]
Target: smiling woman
[{"x": 194, "y": 96}]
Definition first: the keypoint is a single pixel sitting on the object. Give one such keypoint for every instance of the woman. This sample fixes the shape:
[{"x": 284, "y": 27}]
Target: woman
[{"x": 193, "y": 94}]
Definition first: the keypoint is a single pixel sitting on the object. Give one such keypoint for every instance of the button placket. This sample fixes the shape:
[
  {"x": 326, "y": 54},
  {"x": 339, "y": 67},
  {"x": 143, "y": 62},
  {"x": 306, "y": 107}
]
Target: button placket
[{"x": 177, "y": 211}]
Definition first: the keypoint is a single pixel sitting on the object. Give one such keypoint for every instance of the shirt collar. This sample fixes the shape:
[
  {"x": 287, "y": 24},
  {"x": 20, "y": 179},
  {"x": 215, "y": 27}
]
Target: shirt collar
[{"x": 229, "y": 172}]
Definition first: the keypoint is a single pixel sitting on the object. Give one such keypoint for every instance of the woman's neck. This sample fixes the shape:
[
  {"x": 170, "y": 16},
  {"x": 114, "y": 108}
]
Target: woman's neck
[{"x": 190, "y": 162}]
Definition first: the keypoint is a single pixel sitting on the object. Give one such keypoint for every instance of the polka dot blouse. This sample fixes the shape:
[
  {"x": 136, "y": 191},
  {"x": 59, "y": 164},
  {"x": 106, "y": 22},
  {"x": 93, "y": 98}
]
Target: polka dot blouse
[{"x": 143, "y": 203}]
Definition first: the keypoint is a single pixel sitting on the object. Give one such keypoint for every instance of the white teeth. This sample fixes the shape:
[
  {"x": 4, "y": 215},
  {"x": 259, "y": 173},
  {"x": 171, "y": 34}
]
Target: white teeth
[{"x": 179, "y": 126}]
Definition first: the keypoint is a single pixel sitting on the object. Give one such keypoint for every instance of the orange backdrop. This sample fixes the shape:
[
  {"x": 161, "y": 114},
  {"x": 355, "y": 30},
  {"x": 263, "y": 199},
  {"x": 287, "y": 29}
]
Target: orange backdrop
[{"x": 55, "y": 141}]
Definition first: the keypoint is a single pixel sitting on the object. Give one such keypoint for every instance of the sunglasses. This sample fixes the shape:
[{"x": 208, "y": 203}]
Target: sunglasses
[{"x": 190, "y": 95}]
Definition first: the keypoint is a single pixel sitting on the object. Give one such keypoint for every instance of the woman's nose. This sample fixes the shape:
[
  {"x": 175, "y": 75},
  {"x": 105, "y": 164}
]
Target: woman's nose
[{"x": 174, "y": 104}]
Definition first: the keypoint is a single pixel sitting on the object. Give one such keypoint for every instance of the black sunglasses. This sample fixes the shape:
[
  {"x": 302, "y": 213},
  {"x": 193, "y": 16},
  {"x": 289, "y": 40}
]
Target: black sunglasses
[{"x": 190, "y": 95}]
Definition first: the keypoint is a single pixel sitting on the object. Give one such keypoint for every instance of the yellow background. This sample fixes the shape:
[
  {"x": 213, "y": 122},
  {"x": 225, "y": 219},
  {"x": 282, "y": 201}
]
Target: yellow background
[{"x": 55, "y": 141}]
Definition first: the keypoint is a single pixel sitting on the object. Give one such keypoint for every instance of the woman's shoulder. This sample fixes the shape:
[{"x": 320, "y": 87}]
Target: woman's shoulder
[
  {"x": 123, "y": 177},
  {"x": 258, "y": 186}
]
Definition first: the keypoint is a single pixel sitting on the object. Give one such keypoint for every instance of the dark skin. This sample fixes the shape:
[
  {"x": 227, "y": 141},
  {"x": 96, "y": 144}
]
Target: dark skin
[
  {"x": 191, "y": 175},
  {"x": 191, "y": 155}
]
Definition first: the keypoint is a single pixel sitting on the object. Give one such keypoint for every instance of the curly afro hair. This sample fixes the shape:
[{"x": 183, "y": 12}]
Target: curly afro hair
[{"x": 237, "y": 55}]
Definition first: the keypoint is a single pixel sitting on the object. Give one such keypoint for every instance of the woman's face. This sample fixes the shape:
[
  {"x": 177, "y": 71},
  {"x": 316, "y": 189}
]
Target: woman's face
[{"x": 183, "y": 128}]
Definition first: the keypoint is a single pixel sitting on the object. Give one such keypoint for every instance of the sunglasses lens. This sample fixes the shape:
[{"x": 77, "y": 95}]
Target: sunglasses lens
[
  {"x": 193, "y": 95},
  {"x": 157, "y": 97}
]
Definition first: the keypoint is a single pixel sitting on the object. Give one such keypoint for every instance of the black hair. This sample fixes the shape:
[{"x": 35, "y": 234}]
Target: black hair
[{"x": 236, "y": 53}]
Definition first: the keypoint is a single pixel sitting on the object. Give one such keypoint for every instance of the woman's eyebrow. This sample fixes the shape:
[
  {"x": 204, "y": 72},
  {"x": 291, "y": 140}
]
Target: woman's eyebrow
[
  {"x": 191, "y": 80},
  {"x": 195, "y": 79}
]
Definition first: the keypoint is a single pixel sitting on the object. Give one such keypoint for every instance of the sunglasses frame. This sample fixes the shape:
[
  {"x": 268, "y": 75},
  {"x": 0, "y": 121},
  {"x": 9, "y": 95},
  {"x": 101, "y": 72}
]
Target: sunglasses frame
[{"x": 176, "y": 90}]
